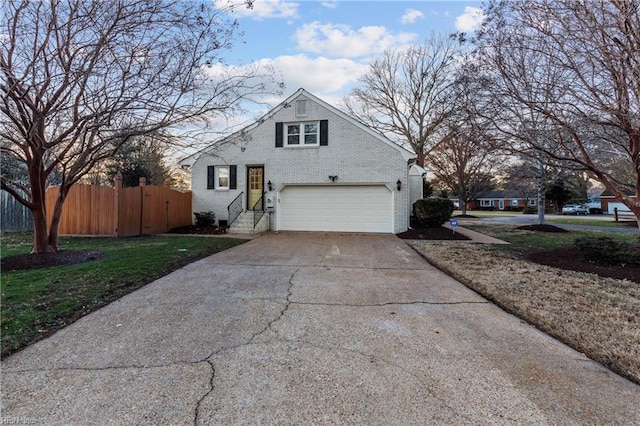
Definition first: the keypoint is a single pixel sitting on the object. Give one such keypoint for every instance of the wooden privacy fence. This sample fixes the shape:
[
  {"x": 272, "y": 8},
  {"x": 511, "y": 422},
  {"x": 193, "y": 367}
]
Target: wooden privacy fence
[{"x": 121, "y": 212}]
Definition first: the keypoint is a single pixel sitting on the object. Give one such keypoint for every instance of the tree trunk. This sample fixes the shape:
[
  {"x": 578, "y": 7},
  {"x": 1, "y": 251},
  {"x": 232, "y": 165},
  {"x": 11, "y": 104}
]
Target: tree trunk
[
  {"x": 40, "y": 237},
  {"x": 541, "y": 191},
  {"x": 634, "y": 205},
  {"x": 463, "y": 207},
  {"x": 636, "y": 211},
  {"x": 54, "y": 228},
  {"x": 41, "y": 242}
]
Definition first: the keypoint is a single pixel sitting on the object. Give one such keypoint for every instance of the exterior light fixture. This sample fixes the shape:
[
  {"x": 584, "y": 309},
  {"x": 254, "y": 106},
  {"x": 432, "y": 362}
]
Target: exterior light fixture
[
  {"x": 333, "y": 178},
  {"x": 270, "y": 186},
  {"x": 399, "y": 184}
]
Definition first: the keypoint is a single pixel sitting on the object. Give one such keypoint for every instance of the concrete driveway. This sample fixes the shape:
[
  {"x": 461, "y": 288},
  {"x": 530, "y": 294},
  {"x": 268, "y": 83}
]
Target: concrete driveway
[{"x": 309, "y": 328}]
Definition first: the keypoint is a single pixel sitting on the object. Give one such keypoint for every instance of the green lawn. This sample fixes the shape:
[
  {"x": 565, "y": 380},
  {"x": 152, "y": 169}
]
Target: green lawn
[
  {"x": 37, "y": 302},
  {"x": 488, "y": 213},
  {"x": 593, "y": 222},
  {"x": 527, "y": 240}
]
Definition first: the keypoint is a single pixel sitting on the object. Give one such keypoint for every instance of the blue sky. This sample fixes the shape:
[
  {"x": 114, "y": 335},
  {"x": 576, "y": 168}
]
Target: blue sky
[{"x": 325, "y": 46}]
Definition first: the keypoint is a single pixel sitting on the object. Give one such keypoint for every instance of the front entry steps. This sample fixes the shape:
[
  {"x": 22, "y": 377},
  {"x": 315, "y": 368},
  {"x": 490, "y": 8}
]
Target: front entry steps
[{"x": 244, "y": 224}]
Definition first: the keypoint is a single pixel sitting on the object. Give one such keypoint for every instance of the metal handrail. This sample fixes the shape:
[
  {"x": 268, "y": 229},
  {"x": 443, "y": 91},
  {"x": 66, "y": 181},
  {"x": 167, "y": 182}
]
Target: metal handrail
[
  {"x": 234, "y": 209},
  {"x": 257, "y": 214}
]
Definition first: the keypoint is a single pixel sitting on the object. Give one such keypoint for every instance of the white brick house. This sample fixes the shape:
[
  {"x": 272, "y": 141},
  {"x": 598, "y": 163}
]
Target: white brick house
[{"x": 310, "y": 167}]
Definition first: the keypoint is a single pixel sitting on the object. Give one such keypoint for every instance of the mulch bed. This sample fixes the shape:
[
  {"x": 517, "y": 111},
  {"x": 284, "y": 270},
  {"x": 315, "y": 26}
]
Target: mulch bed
[
  {"x": 199, "y": 230},
  {"x": 568, "y": 258},
  {"x": 46, "y": 260},
  {"x": 542, "y": 228},
  {"x": 437, "y": 233},
  {"x": 26, "y": 261}
]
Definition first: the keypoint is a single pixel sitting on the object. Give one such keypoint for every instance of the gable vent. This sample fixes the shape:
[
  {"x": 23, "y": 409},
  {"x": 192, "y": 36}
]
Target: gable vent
[{"x": 301, "y": 108}]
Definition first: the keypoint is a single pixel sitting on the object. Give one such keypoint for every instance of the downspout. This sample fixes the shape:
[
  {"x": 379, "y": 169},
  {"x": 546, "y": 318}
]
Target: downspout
[{"x": 410, "y": 164}]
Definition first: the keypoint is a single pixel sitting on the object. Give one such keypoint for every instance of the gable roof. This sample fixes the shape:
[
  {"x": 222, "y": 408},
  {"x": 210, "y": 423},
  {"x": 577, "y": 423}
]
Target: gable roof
[
  {"x": 609, "y": 194},
  {"x": 416, "y": 170},
  {"x": 499, "y": 194},
  {"x": 406, "y": 154}
]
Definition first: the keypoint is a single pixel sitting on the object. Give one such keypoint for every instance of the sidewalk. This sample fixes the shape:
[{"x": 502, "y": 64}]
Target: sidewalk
[{"x": 476, "y": 237}]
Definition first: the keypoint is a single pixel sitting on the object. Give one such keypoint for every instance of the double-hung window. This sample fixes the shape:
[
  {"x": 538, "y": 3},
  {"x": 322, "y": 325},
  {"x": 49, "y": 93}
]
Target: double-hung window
[
  {"x": 222, "y": 179},
  {"x": 302, "y": 134},
  {"x": 486, "y": 203}
]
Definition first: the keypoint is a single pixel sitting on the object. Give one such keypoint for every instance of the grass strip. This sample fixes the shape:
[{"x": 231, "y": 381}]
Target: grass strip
[
  {"x": 594, "y": 222},
  {"x": 37, "y": 302},
  {"x": 599, "y": 317}
]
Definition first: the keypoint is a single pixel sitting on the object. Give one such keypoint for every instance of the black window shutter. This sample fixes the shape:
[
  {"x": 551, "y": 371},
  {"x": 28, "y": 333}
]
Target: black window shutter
[
  {"x": 279, "y": 135},
  {"x": 233, "y": 177},
  {"x": 324, "y": 132},
  {"x": 211, "y": 177}
]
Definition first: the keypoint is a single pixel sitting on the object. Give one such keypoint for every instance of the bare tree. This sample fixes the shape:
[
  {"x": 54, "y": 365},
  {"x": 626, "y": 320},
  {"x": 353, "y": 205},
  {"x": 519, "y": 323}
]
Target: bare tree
[
  {"x": 407, "y": 93},
  {"x": 463, "y": 164},
  {"x": 573, "y": 65},
  {"x": 80, "y": 78},
  {"x": 521, "y": 178},
  {"x": 530, "y": 175}
]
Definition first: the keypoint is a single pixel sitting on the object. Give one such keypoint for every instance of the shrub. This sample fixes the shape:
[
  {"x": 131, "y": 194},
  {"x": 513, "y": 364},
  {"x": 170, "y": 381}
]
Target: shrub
[
  {"x": 205, "y": 218},
  {"x": 432, "y": 212},
  {"x": 605, "y": 250}
]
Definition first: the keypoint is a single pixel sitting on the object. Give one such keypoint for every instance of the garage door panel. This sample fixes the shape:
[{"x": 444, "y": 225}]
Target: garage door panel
[{"x": 336, "y": 208}]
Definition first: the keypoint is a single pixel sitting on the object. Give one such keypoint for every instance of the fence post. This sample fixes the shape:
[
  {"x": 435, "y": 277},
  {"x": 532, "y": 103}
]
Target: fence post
[
  {"x": 117, "y": 182},
  {"x": 142, "y": 182},
  {"x": 615, "y": 213}
]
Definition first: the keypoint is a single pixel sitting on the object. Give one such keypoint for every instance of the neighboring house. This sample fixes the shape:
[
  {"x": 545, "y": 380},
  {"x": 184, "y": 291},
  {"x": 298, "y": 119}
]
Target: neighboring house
[
  {"x": 503, "y": 200},
  {"x": 609, "y": 202},
  {"x": 310, "y": 167}
]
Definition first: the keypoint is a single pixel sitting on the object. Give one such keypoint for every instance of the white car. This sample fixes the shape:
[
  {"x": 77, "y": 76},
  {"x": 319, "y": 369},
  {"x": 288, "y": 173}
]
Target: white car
[{"x": 576, "y": 209}]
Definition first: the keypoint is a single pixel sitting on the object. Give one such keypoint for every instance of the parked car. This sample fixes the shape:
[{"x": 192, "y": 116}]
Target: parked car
[
  {"x": 594, "y": 204},
  {"x": 575, "y": 209}
]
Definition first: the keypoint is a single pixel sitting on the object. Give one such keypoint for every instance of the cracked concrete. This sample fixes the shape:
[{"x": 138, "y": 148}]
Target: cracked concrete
[{"x": 309, "y": 328}]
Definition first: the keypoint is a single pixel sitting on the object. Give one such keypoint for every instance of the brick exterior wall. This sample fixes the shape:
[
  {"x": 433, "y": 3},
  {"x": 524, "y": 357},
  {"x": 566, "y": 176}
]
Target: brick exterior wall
[{"x": 353, "y": 154}]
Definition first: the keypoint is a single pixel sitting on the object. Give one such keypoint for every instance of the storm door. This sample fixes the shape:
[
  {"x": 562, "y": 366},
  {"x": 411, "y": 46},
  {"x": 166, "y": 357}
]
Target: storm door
[{"x": 255, "y": 187}]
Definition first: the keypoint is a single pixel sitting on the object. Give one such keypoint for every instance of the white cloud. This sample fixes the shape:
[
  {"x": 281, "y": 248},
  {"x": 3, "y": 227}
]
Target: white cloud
[
  {"x": 262, "y": 9},
  {"x": 321, "y": 76},
  {"x": 343, "y": 41},
  {"x": 330, "y": 4},
  {"x": 470, "y": 20},
  {"x": 326, "y": 77},
  {"x": 411, "y": 16}
]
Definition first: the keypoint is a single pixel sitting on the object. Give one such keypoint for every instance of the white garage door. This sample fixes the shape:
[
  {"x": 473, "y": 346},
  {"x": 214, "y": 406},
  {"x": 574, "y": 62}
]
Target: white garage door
[
  {"x": 622, "y": 209},
  {"x": 336, "y": 208}
]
